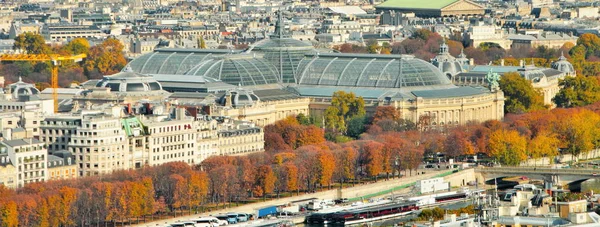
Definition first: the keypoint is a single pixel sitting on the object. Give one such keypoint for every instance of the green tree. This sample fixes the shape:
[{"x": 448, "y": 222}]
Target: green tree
[
  {"x": 344, "y": 106},
  {"x": 520, "y": 95},
  {"x": 487, "y": 45},
  {"x": 577, "y": 91},
  {"x": 303, "y": 119},
  {"x": 356, "y": 126},
  {"x": 31, "y": 43},
  {"x": 78, "y": 46}
]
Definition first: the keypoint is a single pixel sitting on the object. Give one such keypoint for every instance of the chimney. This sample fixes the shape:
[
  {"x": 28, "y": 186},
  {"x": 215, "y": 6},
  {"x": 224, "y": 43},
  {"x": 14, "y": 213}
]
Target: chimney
[
  {"x": 502, "y": 62},
  {"x": 471, "y": 61},
  {"x": 179, "y": 113},
  {"x": 521, "y": 63}
]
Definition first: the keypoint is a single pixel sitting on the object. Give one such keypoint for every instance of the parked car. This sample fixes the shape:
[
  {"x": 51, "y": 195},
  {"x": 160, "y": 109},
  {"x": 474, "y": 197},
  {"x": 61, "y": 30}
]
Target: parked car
[
  {"x": 223, "y": 219},
  {"x": 206, "y": 222},
  {"x": 232, "y": 218},
  {"x": 242, "y": 217},
  {"x": 183, "y": 224}
]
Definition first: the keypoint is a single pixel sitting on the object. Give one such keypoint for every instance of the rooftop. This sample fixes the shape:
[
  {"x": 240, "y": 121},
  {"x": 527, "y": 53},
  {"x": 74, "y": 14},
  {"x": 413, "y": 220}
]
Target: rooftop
[
  {"x": 21, "y": 142},
  {"x": 416, "y": 4}
]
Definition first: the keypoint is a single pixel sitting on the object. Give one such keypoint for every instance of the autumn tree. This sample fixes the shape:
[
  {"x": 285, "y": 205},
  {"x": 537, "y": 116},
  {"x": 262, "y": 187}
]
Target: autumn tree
[
  {"x": 31, "y": 43},
  {"x": 543, "y": 144},
  {"x": 77, "y": 46},
  {"x": 265, "y": 180},
  {"x": 457, "y": 143},
  {"x": 345, "y": 163},
  {"x": 520, "y": 95},
  {"x": 326, "y": 167},
  {"x": 9, "y": 216},
  {"x": 372, "y": 158},
  {"x": 201, "y": 43},
  {"x": 508, "y": 147},
  {"x": 107, "y": 57},
  {"x": 577, "y": 91},
  {"x": 385, "y": 112}
]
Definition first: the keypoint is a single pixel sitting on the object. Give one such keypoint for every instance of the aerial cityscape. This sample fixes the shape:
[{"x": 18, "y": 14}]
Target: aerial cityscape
[{"x": 424, "y": 113}]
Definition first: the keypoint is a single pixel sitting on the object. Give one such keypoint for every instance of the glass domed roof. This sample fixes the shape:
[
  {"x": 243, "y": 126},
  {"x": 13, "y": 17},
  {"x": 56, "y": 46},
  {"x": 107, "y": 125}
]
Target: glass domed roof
[
  {"x": 241, "y": 69},
  {"x": 369, "y": 70},
  {"x": 283, "y": 51},
  {"x": 173, "y": 61}
]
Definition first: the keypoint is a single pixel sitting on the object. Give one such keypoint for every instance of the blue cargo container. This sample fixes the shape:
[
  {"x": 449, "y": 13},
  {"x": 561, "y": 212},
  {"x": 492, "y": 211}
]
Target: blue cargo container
[{"x": 270, "y": 210}]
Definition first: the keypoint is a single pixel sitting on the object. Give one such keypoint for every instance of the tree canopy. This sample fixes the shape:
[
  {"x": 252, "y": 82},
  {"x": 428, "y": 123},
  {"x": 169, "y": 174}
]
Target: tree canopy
[
  {"x": 31, "y": 43},
  {"x": 577, "y": 91},
  {"x": 344, "y": 106},
  {"x": 520, "y": 95}
]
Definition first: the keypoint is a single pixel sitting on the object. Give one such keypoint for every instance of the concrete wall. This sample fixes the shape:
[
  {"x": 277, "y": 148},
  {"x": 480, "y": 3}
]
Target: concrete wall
[
  {"x": 562, "y": 158},
  {"x": 461, "y": 178}
]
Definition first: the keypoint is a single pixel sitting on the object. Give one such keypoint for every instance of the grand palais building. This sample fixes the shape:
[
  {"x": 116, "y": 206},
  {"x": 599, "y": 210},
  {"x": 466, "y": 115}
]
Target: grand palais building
[{"x": 282, "y": 76}]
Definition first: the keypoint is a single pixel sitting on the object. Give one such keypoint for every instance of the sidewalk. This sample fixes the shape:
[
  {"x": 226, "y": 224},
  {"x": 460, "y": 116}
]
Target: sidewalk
[{"x": 357, "y": 191}]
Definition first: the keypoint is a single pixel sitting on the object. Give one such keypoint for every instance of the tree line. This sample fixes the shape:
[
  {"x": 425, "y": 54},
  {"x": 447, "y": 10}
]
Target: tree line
[
  {"x": 104, "y": 58},
  {"x": 298, "y": 158}
]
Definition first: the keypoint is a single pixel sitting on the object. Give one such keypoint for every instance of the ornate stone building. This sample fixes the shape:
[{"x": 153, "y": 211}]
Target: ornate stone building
[
  {"x": 544, "y": 79},
  {"x": 439, "y": 8}
]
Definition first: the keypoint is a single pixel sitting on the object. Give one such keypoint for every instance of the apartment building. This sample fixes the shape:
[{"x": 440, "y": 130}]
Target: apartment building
[
  {"x": 29, "y": 157},
  {"x": 241, "y": 139},
  {"x": 99, "y": 145},
  {"x": 61, "y": 168}
]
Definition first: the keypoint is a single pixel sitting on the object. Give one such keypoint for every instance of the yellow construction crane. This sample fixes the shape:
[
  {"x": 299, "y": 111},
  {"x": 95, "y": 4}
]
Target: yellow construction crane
[{"x": 54, "y": 59}]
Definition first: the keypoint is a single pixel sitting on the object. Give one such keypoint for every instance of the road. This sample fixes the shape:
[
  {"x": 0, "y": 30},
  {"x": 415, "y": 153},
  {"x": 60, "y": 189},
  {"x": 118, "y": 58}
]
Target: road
[{"x": 329, "y": 194}]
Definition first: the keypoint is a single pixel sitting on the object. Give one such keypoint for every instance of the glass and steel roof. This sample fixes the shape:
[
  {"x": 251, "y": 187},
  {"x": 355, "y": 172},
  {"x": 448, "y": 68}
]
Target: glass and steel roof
[
  {"x": 174, "y": 61},
  {"x": 239, "y": 69},
  {"x": 369, "y": 70},
  {"x": 283, "y": 51}
]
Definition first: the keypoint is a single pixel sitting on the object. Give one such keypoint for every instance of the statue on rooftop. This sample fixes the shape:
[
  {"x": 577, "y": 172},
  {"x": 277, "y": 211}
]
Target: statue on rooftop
[{"x": 492, "y": 79}]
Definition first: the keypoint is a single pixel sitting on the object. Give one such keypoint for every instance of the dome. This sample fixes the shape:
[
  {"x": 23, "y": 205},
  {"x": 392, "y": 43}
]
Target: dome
[
  {"x": 173, "y": 61},
  {"x": 283, "y": 51},
  {"x": 129, "y": 81},
  {"x": 239, "y": 97},
  {"x": 21, "y": 88},
  {"x": 447, "y": 63},
  {"x": 563, "y": 65},
  {"x": 241, "y": 69},
  {"x": 369, "y": 70}
]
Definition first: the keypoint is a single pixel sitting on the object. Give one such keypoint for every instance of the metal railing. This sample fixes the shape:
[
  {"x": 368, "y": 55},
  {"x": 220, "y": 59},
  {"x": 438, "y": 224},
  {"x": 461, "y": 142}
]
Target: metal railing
[{"x": 577, "y": 171}]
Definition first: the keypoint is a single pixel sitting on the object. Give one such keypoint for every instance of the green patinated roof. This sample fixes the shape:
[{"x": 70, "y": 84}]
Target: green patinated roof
[
  {"x": 416, "y": 4},
  {"x": 132, "y": 123}
]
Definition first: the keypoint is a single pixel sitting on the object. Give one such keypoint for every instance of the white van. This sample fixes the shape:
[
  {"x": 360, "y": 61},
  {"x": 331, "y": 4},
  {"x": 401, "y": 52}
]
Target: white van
[{"x": 206, "y": 222}]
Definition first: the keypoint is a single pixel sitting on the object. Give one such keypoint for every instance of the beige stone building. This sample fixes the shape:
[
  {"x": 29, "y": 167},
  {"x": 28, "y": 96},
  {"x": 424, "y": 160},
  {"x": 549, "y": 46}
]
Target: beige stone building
[
  {"x": 241, "y": 139},
  {"x": 271, "y": 106},
  {"x": 8, "y": 172},
  {"x": 29, "y": 157},
  {"x": 99, "y": 145},
  {"x": 544, "y": 79},
  {"x": 61, "y": 168}
]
